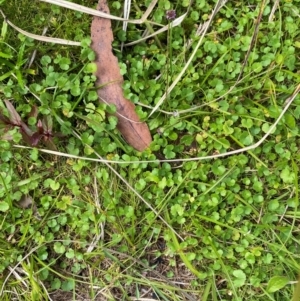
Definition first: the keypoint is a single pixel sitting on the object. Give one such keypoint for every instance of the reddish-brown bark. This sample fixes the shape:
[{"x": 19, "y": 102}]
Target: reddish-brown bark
[{"x": 108, "y": 74}]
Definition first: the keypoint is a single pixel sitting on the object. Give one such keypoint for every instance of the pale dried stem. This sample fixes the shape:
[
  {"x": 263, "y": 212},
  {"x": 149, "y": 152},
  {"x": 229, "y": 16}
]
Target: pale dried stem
[
  {"x": 99, "y": 236},
  {"x": 254, "y": 36},
  {"x": 94, "y": 12},
  {"x": 39, "y": 37},
  {"x": 274, "y": 8},
  {"x": 33, "y": 55}
]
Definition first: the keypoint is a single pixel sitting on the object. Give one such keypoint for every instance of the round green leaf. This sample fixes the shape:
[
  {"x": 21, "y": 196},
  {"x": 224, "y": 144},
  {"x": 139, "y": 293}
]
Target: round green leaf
[
  {"x": 4, "y": 206},
  {"x": 240, "y": 278}
]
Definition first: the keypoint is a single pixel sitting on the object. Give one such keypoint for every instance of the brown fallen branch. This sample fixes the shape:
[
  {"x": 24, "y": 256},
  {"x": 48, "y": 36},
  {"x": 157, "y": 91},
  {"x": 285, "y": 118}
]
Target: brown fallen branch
[{"x": 110, "y": 80}]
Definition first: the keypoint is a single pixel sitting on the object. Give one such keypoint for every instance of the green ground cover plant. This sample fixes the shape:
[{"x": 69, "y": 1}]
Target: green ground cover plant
[{"x": 83, "y": 216}]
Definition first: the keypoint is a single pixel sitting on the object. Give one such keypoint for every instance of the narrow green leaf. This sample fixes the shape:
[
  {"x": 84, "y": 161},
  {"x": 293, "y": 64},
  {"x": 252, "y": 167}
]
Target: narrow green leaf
[{"x": 5, "y": 55}]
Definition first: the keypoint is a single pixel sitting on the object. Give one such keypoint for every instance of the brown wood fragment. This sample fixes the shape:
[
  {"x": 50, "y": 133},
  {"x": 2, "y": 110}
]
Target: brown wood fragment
[{"x": 108, "y": 74}]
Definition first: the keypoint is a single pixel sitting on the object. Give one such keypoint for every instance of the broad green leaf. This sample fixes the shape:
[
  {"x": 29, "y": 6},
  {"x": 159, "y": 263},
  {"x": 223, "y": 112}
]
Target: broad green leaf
[
  {"x": 5, "y": 55},
  {"x": 290, "y": 120},
  {"x": 54, "y": 185},
  {"x": 68, "y": 285},
  {"x": 162, "y": 184},
  {"x": 177, "y": 210},
  {"x": 59, "y": 248},
  {"x": 287, "y": 175},
  {"x": 45, "y": 60},
  {"x": 4, "y": 206},
  {"x": 70, "y": 254},
  {"x": 276, "y": 283},
  {"x": 56, "y": 284},
  {"x": 240, "y": 278},
  {"x": 273, "y": 205}
]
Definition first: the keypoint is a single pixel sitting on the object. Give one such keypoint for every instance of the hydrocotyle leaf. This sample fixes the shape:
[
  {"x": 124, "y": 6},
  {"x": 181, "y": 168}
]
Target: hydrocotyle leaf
[{"x": 4, "y": 206}]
